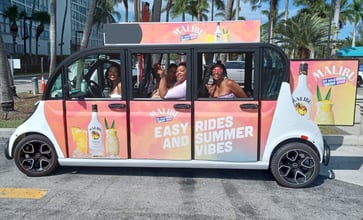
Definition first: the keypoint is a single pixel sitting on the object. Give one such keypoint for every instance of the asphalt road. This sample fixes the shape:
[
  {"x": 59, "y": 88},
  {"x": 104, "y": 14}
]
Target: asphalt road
[{"x": 145, "y": 193}]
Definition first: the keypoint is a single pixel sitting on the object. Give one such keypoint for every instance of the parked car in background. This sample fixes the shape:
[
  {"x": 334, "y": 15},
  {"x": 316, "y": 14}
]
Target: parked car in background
[
  {"x": 360, "y": 75},
  {"x": 236, "y": 71}
]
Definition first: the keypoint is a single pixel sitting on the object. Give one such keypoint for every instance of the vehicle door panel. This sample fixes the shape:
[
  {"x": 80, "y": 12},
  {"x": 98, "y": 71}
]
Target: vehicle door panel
[
  {"x": 226, "y": 130},
  {"x": 160, "y": 129},
  {"x": 78, "y": 117}
]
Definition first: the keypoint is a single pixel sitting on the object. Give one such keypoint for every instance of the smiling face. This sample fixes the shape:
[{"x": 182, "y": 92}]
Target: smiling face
[
  {"x": 181, "y": 73},
  {"x": 217, "y": 73},
  {"x": 113, "y": 73}
]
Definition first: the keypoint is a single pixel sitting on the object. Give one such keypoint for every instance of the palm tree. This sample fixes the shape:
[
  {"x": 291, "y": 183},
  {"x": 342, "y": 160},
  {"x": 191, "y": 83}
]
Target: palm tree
[
  {"x": 319, "y": 7},
  {"x": 6, "y": 95},
  {"x": 345, "y": 13},
  {"x": 198, "y": 9},
  {"x": 100, "y": 12},
  {"x": 202, "y": 6},
  {"x": 88, "y": 26},
  {"x": 356, "y": 9},
  {"x": 228, "y": 11},
  {"x": 167, "y": 8},
  {"x": 12, "y": 14},
  {"x": 126, "y": 4},
  {"x": 105, "y": 13},
  {"x": 156, "y": 11},
  {"x": 335, "y": 25},
  {"x": 179, "y": 8},
  {"x": 43, "y": 18},
  {"x": 303, "y": 34},
  {"x": 219, "y": 4},
  {"x": 136, "y": 10},
  {"x": 273, "y": 8},
  {"x": 265, "y": 27}
]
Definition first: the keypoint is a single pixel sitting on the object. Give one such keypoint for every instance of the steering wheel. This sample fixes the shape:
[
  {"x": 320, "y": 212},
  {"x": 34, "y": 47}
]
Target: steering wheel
[{"x": 95, "y": 90}]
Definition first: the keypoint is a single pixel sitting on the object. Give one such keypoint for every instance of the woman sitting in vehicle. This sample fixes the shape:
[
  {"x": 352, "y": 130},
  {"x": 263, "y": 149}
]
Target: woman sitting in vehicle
[
  {"x": 222, "y": 87},
  {"x": 170, "y": 77},
  {"x": 114, "y": 81},
  {"x": 178, "y": 90}
]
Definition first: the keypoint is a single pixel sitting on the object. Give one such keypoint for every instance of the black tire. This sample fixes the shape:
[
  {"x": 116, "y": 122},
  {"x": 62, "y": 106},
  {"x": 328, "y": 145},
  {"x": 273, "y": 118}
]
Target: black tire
[
  {"x": 359, "y": 81},
  {"x": 295, "y": 165},
  {"x": 35, "y": 156}
]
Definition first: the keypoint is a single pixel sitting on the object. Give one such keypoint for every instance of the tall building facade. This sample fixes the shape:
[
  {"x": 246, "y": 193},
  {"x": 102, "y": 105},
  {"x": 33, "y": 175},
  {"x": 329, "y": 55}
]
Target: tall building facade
[{"x": 71, "y": 16}]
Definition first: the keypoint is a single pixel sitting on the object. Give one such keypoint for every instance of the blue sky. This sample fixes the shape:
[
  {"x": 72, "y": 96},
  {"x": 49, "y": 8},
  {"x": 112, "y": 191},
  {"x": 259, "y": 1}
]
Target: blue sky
[{"x": 245, "y": 12}]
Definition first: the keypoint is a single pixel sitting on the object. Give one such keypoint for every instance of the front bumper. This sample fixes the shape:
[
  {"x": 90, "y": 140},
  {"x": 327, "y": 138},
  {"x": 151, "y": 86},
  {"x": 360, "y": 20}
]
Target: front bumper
[{"x": 6, "y": 151}]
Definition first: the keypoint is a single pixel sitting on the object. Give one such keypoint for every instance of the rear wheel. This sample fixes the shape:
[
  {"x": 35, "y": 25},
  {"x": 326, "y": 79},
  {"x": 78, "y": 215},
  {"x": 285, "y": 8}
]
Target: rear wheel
[
  {"x": 295, "y": 165},
  {"x": 35, "y": 156}
]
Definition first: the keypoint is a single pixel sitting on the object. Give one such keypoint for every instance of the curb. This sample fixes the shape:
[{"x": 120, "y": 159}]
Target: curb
[
  {"x": 5, "y": 133},
  {"x": 355, "y": 140}
]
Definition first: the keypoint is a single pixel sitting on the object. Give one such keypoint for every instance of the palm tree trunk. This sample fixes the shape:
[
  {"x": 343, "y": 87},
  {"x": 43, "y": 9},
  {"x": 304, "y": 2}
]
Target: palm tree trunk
[
  {"x": 271, "y": 21},
  {"x": 336, "y": 25},
  {"x": 199, "y": 14},
  {"x": 126, "y": 4},
  {"x": 88, "y": 26},
  {"x": 228, "y": 11},
  {"x": 156, "y": 11},
  {"x": 168, "y": 7},
  {"x": 354, "y": 35},
  {"x": 52, "y": 37},
  {"x": 212, "y": 10},
  {"x": 136, "y": 10},
  {"x": 286, "y": 10},
  {"x": 14, "y": 34},
  {"x": 6, "y": 96},
  {"x": 36, "y": 49},
  {"x": 237, "y": 10}
]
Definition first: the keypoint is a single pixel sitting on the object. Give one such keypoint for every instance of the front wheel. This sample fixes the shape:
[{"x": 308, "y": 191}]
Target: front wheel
[
  {"x": 35, "y": 156},
  {"x": 295, "y": 165}
]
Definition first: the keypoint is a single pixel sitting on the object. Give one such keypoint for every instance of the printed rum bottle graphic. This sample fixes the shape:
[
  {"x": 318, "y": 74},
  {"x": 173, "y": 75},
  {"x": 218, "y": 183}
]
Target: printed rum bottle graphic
[
  {"x": 95, "y": 132},
  {"x": 218, "y": 35},
  {"x": 302, "y": 96}
]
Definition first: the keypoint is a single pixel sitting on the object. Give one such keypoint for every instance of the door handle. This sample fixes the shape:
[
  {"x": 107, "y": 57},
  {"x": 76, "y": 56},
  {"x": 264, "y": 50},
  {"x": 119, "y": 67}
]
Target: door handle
[
  {"x": 182, "y": 106},
  {"x": 117, "y": 106},
  {"x": 249, "y": 106}
]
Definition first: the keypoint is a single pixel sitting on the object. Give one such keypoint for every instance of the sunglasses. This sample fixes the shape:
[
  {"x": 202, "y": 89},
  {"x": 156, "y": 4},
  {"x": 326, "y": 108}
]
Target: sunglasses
[{"x": 217, "y": 71}]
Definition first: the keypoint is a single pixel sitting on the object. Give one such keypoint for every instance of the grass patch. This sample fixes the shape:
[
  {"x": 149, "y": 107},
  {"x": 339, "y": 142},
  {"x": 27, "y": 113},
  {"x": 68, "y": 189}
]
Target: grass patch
[{"x": 23, "y": 107}]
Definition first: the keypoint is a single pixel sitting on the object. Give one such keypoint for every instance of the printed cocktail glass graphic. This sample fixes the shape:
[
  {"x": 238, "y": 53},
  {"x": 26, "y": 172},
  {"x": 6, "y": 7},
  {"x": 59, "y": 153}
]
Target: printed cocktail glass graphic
[
  {"x": 325, "y": 113},
  {"x": 112, "y": 143},
  {"x": 209, "y": 38},
  {"x": 80, "y": 138},
  {"x": 225, "y": 35}
]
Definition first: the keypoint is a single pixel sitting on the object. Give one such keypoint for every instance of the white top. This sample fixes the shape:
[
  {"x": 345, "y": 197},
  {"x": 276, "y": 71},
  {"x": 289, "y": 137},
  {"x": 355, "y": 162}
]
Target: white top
[
  {"x": 115, "y": 95},
  {"x": 178, "y": 91}
]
